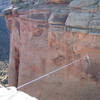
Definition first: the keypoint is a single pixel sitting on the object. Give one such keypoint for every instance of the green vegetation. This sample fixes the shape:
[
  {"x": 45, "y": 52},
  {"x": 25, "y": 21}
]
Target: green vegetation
[
  {"x": 17, "y": 1},
  {"x": 23, "y": 6}
]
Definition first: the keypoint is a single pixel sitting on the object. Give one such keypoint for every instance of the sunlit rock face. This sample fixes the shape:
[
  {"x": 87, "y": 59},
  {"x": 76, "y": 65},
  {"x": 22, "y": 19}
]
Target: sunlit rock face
[{"x": 49, "y": 37}]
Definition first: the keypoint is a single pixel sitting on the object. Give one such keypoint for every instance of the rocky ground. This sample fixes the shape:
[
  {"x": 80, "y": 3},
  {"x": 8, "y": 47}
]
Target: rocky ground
[{"x": 3, "y": 73}]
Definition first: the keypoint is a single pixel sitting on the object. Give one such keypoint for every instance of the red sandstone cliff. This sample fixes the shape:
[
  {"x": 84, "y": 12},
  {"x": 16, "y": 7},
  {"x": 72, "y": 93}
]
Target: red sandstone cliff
[{"x": 45, "y": 39}]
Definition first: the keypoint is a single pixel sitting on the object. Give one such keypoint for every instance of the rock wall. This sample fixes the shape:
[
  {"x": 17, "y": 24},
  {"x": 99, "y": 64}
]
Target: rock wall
[{"x": 49, "y": 37}]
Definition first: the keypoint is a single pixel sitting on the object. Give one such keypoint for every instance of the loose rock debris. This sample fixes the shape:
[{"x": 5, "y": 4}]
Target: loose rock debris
[{"x": 3, "y": 73}]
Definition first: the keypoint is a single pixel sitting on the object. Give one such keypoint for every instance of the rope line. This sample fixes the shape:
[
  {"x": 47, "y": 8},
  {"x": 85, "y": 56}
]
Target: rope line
[{"x": 54, "y": 71}]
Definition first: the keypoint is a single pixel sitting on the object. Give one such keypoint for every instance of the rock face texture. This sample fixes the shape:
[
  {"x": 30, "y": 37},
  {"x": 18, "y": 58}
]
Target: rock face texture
[{"x": 50, "y": 36}]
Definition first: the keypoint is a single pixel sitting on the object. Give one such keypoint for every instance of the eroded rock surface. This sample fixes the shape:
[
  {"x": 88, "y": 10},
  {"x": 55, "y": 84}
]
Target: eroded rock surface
[{"x": 49, "y": 37}]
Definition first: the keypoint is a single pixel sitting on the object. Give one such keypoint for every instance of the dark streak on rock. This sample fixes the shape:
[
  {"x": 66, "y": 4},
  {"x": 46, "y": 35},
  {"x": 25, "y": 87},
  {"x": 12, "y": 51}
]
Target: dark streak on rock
[
  {"x": 9, "y": 25},
  {"x": 38, "y": 33},
  {"x": 59, "y": 60},
  {"x": 18, "y": 27},
  {"x": 17, "y": 61}
]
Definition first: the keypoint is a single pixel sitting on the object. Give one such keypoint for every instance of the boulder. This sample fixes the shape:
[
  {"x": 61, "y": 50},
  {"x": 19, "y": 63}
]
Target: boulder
[
  {"x": 82, "y": 3},
  {"x": 58, "y": 18},
  {"x": 78, "y": 19}
]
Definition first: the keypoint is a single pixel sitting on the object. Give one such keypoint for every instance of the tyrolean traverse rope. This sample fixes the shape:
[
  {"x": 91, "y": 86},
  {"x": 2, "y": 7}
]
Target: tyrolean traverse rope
[{"x": 54, "y": 71}]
